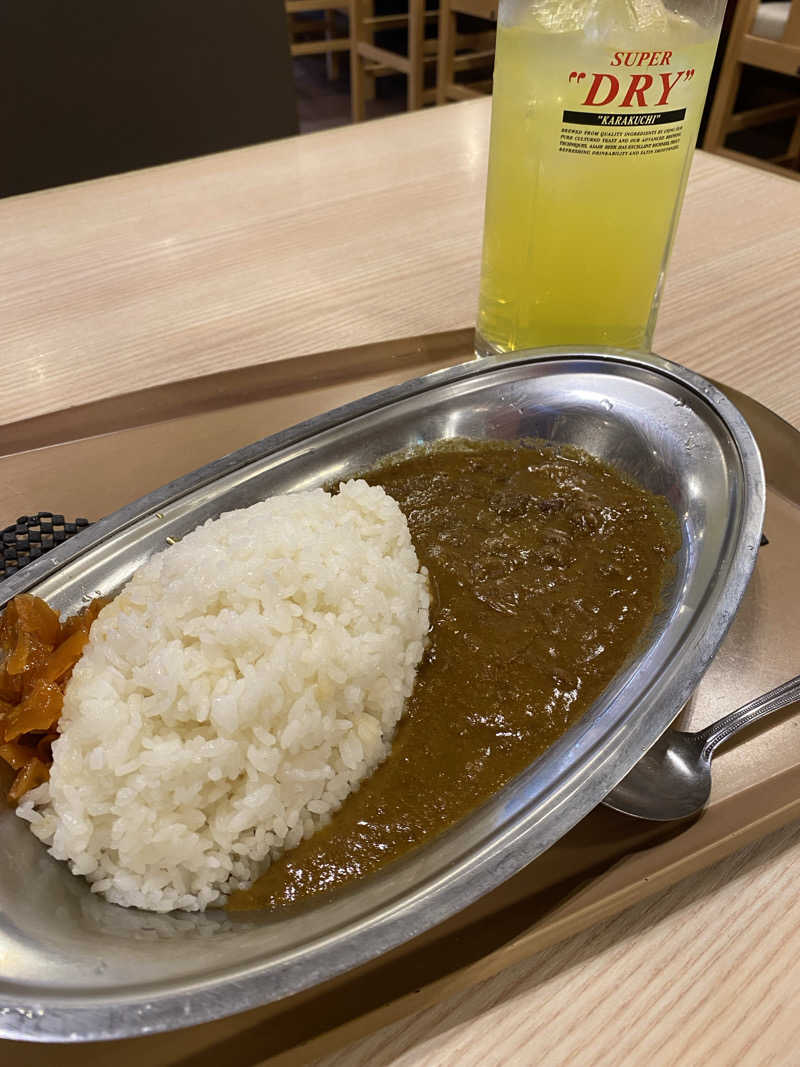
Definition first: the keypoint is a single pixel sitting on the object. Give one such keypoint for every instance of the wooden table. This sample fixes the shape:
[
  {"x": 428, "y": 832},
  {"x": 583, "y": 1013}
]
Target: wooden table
[{"x": 367, "y": 233}]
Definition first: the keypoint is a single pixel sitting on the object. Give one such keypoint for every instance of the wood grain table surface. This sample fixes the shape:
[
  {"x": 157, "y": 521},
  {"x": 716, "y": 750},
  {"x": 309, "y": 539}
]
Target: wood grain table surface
[{"x": 372, "y": 232}]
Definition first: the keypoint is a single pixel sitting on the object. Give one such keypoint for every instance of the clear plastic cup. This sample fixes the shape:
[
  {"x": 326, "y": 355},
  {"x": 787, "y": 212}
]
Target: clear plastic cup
[{"x": 595, "y": 114}]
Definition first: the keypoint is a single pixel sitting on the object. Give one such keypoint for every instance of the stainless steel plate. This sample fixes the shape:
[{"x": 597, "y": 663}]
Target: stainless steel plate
[{"x": 75, "y": 968}]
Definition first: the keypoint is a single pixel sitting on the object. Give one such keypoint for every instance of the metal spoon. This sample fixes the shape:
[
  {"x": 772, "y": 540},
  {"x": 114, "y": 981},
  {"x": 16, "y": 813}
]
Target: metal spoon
[{"x": 673, "y": 779}]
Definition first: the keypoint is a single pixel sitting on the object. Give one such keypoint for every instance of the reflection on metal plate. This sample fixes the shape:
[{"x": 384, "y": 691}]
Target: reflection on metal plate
[{"x": 77, "y": 968}]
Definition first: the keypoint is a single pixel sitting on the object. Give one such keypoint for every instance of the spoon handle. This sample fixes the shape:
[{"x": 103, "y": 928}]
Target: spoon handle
[{"x": 774, "y": 700}]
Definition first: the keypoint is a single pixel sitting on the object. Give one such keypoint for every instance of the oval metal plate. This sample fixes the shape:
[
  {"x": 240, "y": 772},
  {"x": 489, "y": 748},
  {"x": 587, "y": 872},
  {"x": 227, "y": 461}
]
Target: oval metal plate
[{"x": 76, "y": 968}]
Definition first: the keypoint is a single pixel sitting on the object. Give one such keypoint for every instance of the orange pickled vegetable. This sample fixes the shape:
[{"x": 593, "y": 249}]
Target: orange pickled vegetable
[
  {"x": 37, "y": 713},
  {"x": 28, "y": 628},
  {"x": 15, "y": 755},
  {"x": 37, "y": 617},
  {"x": 64, "y": 658},
  {"x": 32, "y": 774},
  {"x": 10, "y": 686},
  {"x": 28, "y": 654},
  {"x": 37, "y": 654},
  {"x": 9, "y": 628}
]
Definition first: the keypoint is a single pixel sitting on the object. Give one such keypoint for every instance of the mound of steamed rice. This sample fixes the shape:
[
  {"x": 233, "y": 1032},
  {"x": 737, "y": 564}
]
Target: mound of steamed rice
[{"x": 244, "y": 682}]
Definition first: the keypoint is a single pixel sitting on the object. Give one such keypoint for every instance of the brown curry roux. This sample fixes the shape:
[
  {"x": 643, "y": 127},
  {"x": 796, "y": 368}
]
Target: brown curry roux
[{"x": 546, "y": 567}]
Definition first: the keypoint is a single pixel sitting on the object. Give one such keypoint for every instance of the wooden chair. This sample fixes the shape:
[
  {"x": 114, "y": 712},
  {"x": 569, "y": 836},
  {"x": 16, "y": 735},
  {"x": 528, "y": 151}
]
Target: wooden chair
[
  {"x": 460, "y": 52},
  {"x": 326, "y": 42},
  {"x": 378, "y": 60},
  {"x": 764, "y": 35}
]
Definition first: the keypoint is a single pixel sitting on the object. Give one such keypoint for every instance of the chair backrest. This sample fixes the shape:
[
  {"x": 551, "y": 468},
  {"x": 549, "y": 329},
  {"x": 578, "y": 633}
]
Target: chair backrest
[
  {"x": 469, "y": 51},
  {"x": 95, "y": 87},
  {"x": 780, "y": 52},
  {"x": 766, "y": 36},
  {"x": 791, "y": 34}
]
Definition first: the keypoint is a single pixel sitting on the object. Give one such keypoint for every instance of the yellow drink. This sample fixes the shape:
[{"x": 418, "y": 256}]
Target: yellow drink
[{"x": 592, "y": 138}]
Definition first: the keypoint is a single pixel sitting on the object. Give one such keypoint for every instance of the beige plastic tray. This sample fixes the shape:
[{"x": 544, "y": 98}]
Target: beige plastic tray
[{"x": 92, "y": 459}]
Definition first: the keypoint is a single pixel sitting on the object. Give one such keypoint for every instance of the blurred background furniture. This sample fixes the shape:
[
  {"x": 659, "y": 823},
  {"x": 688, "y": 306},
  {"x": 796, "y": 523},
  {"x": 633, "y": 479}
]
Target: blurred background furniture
[
  {"x": 412, "y": 48},
  {"x": 473, "y": 52},
  {"x": 380, "y": 59},
  {"x": 92, "y": 87},
  {"x": 315, "y": 28},
  {"x": 766, "y": 36}
]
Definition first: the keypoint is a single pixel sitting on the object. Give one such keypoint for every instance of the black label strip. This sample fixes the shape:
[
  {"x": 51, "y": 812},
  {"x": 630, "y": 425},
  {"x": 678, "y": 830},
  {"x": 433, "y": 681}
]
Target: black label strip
[{"x": 615, "y": 118}]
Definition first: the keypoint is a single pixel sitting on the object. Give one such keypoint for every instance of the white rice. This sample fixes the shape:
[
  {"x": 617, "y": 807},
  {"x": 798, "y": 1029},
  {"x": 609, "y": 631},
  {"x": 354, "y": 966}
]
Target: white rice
[{"x": 244, "y": 682}]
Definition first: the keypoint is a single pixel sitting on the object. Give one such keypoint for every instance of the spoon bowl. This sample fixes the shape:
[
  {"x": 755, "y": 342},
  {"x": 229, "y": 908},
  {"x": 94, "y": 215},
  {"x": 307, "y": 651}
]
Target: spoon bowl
[{"x": 673, "y": 779}]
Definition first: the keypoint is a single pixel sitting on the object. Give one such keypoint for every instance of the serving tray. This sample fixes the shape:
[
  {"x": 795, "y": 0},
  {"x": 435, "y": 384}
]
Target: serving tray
[{"x": 602, "y": 865}]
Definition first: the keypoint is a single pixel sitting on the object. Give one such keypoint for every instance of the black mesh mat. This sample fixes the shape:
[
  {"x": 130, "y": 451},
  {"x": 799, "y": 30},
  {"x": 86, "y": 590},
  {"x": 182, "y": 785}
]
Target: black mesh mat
[{"x": 33, "y": 535}]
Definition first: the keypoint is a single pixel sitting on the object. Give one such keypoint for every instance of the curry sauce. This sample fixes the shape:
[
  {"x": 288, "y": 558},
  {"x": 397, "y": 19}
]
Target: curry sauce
[{"x": 546, "y": 567}]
